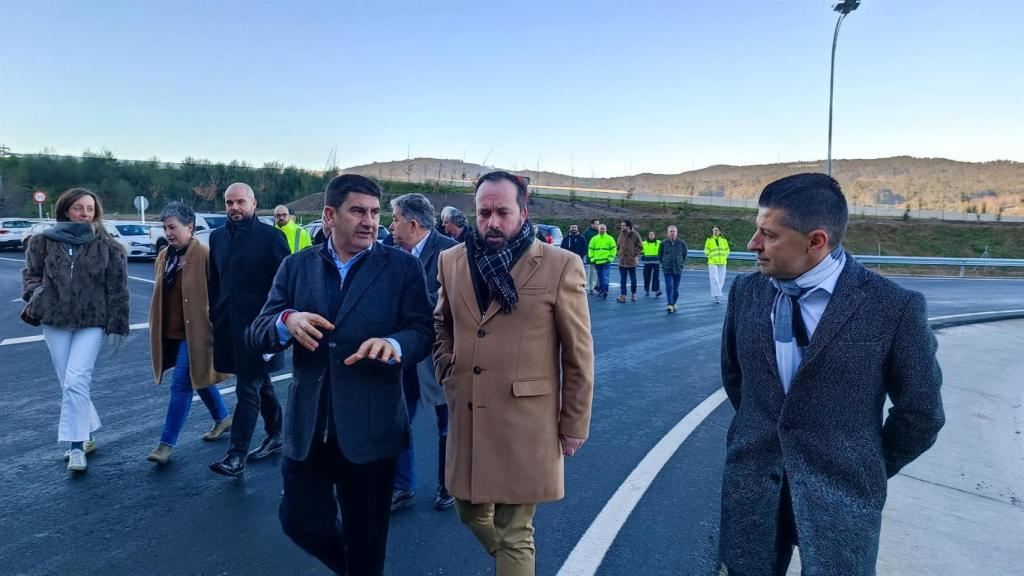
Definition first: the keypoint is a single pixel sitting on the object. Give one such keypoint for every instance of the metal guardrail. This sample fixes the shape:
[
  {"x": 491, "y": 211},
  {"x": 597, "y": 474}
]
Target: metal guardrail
[{"x": 897, "y": 260}]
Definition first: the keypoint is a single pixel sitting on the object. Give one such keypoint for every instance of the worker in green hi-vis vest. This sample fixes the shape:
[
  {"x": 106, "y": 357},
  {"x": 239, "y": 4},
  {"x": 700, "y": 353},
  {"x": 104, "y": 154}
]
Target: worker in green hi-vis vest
[
  {"x": 716, "y": 248},
  {"x": 298, "y": 237}
]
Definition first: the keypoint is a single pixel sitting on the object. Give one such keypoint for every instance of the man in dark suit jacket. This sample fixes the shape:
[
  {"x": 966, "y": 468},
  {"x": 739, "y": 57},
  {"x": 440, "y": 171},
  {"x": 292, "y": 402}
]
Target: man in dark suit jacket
[
  {"x": 359, "y": 311},
  {"x": 811, "y": 347},
  {"x": 412, "y": 215},
  {"x": 244, "y": 256}
]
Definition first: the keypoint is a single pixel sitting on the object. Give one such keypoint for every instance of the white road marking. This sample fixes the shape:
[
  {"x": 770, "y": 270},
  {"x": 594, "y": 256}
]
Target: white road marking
[
  {"x": 39, "y": 337},
  {"x": 974, "y": 314},
  {"x": 586, "y": 557},
  {"x": 231, "y": 389},
  {"x": 12, "y": 260},
  {"x": 589, "y": 552},
  {"x": 141, "y": 279}
]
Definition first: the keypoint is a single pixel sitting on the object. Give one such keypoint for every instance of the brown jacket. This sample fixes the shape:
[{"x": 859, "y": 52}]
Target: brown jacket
[
  {"x": 515, "y": 382},
  {"x": 91, "y": 291},
  {"x": 629, "y": 247},
  {"x": 198, "y": 330}
]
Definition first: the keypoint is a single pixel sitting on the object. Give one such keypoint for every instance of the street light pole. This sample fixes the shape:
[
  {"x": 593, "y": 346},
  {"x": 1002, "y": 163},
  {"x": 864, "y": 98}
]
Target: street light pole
[{"x": 844, "y": 8}]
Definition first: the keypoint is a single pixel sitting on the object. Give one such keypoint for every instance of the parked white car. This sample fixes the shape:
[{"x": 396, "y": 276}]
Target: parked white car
[
  {"x": 134, "y": 236},
  {"x": 12, "y": 232},
  {"x": 205, "y": 222}
]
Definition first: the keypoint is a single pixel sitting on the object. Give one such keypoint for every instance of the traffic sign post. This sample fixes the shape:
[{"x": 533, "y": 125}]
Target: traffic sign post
[
  {"x": 141, "y": 203},
  {"x": 40, "y": 197}
]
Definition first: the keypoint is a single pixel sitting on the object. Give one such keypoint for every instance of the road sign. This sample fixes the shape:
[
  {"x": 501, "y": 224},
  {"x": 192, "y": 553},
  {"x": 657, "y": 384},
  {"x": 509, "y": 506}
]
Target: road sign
[
  {"x": 141, "y": 204},
  {"x": 39, "y": 197}
]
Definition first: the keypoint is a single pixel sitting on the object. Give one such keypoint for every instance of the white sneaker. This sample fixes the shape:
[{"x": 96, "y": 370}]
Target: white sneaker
[
  {"x": 90, "y": 445},
  {"x": 76, "y": 461}
]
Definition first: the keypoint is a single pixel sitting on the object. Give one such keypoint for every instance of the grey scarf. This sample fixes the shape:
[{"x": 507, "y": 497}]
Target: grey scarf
[
  {"x": 73, "y": 233},
  {"x": 787, "y": 310}
]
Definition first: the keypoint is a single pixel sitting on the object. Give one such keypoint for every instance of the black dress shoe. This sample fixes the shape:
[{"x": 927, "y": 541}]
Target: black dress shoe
[
  {"x": 271, "y": 445},
  {"x": 229, "y": 465}
]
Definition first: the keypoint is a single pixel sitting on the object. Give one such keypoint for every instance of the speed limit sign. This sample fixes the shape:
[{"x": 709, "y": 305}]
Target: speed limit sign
[{"x": 39, "y": 197}]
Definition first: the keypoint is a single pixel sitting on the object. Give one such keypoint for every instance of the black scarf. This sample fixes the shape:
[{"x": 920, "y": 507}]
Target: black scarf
[
  {"x": 173, "y": 264},
  {"x": 73, "y": 233},
  {"x": 494, "y": 264}
]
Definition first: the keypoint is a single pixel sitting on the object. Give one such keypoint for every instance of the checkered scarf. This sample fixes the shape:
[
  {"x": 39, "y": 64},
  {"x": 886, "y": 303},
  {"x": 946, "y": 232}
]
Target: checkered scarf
[{"x": 495, "y": 264}]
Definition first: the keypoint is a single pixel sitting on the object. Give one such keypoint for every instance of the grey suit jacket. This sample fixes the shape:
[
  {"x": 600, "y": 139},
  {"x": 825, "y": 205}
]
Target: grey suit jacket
[
  {"x": 387, "y": 298},
  {"x": 826, "y": 436},
  {"x": 431, "y": 393}
]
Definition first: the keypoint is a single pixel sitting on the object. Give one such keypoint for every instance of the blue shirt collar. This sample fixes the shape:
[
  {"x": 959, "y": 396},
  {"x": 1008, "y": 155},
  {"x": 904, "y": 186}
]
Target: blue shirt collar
[{"x": 346, "y": 265}]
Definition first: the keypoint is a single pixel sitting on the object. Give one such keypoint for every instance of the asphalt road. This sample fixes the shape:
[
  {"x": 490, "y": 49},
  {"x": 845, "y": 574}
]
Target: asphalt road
[{"x": 126, "y": 516}]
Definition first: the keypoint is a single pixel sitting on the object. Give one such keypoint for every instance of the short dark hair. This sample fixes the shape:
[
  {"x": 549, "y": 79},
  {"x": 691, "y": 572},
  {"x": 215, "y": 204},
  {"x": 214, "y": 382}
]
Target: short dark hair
[
  {"x": 521, "y": 183},
  {"x": 595, "y": 221},
  {"x": 628, "y": 223},
  {"x": 182, "y": 212},
  {"x": 811, "y": 201},
  {"x": 341, "y": 186},
  {"x": 71, "y": 196}
]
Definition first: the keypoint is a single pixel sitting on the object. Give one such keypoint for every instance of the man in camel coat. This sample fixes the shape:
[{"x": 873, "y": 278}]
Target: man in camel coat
[{"x": 515, "y": 357}]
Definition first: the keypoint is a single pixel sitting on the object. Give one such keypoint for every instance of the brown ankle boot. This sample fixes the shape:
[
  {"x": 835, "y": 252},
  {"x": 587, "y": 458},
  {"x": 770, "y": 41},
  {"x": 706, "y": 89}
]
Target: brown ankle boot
[
  {"x": 162, "y": 454},
  {"x": 218, "y": 430}
]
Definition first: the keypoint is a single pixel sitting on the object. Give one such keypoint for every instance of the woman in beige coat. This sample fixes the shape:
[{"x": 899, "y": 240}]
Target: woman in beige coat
[{"x": 180, "y": 332}]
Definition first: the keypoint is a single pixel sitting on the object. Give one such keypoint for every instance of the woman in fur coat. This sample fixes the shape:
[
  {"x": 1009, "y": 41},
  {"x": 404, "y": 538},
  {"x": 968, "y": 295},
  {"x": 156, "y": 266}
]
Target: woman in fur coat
[{"x": 76, "y": 284}]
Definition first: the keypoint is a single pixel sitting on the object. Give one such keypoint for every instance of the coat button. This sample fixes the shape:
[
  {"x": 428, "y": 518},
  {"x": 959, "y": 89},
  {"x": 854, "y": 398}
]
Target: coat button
[
  {"x": 775, "y": 477},
  {"x": 477, "y": 369},
  {"x": 481, "y": 333}
]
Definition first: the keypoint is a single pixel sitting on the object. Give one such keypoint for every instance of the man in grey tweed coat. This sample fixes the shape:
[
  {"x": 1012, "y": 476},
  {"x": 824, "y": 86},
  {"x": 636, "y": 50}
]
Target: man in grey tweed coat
[{"x": 811, "y": 347}]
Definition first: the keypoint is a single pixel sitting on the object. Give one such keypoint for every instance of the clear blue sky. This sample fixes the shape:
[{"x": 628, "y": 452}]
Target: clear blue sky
[{"x": 657, "y": 86}]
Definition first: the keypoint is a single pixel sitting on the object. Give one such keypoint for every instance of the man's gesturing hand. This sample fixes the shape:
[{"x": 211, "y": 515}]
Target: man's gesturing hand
[
  {"x": 375, "y": 349},
  {"x": 571, "y": 445},
  {"x": 303, "y": 327}
]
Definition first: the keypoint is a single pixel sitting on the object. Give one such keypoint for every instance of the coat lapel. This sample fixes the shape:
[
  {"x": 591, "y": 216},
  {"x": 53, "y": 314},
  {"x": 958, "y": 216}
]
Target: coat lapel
[
  {"x": 521, "y": 272},
  {"x": 844, "y": 302},
  {"x": 464, "y": 279},
  {"x": 429, "y": 249},
  {"x": 376, "y": 262}
]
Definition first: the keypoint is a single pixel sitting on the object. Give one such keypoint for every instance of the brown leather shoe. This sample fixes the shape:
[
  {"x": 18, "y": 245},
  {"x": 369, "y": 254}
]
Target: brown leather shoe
[
  {"x": 162, "y": 454},
  {"x": 218, "y": 430}
]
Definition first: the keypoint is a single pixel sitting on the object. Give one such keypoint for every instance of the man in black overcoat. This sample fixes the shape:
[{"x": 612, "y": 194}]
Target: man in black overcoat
[{"x": 245, "y": 254}]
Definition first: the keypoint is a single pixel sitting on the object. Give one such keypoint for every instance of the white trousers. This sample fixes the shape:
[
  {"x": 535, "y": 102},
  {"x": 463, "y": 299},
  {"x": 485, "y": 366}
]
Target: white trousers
[
  {"x": 591, "y": 276},
  {"x": 74, "y": 353},
  {"x": 716, "y": 274}
]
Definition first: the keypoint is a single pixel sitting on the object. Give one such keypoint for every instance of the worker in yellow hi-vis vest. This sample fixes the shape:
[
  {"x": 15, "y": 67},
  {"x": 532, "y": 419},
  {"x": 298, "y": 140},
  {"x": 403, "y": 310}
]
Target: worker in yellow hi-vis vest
[
  {"x": 716, "y": 248},
  {"x": 298, "y": 237}
]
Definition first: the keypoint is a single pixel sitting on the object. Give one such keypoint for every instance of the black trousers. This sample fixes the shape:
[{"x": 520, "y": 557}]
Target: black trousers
[
  {"x": 786, "y": 535},
  {"x": 255, "y": 397},
  {"x": 316, "y": 487},
  {"x": 652, "y": 278}
]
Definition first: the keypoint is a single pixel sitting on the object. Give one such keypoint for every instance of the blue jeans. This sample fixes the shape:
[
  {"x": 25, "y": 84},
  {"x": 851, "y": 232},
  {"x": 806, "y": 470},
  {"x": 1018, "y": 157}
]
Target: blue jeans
[
  {"x": 405, "y": 464},
  {"x": 181, "y": 399},
  {"x": 672, "y": 287},
  {"x": 602, "y": 278},
  {"x": 624, "y": 274}
]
